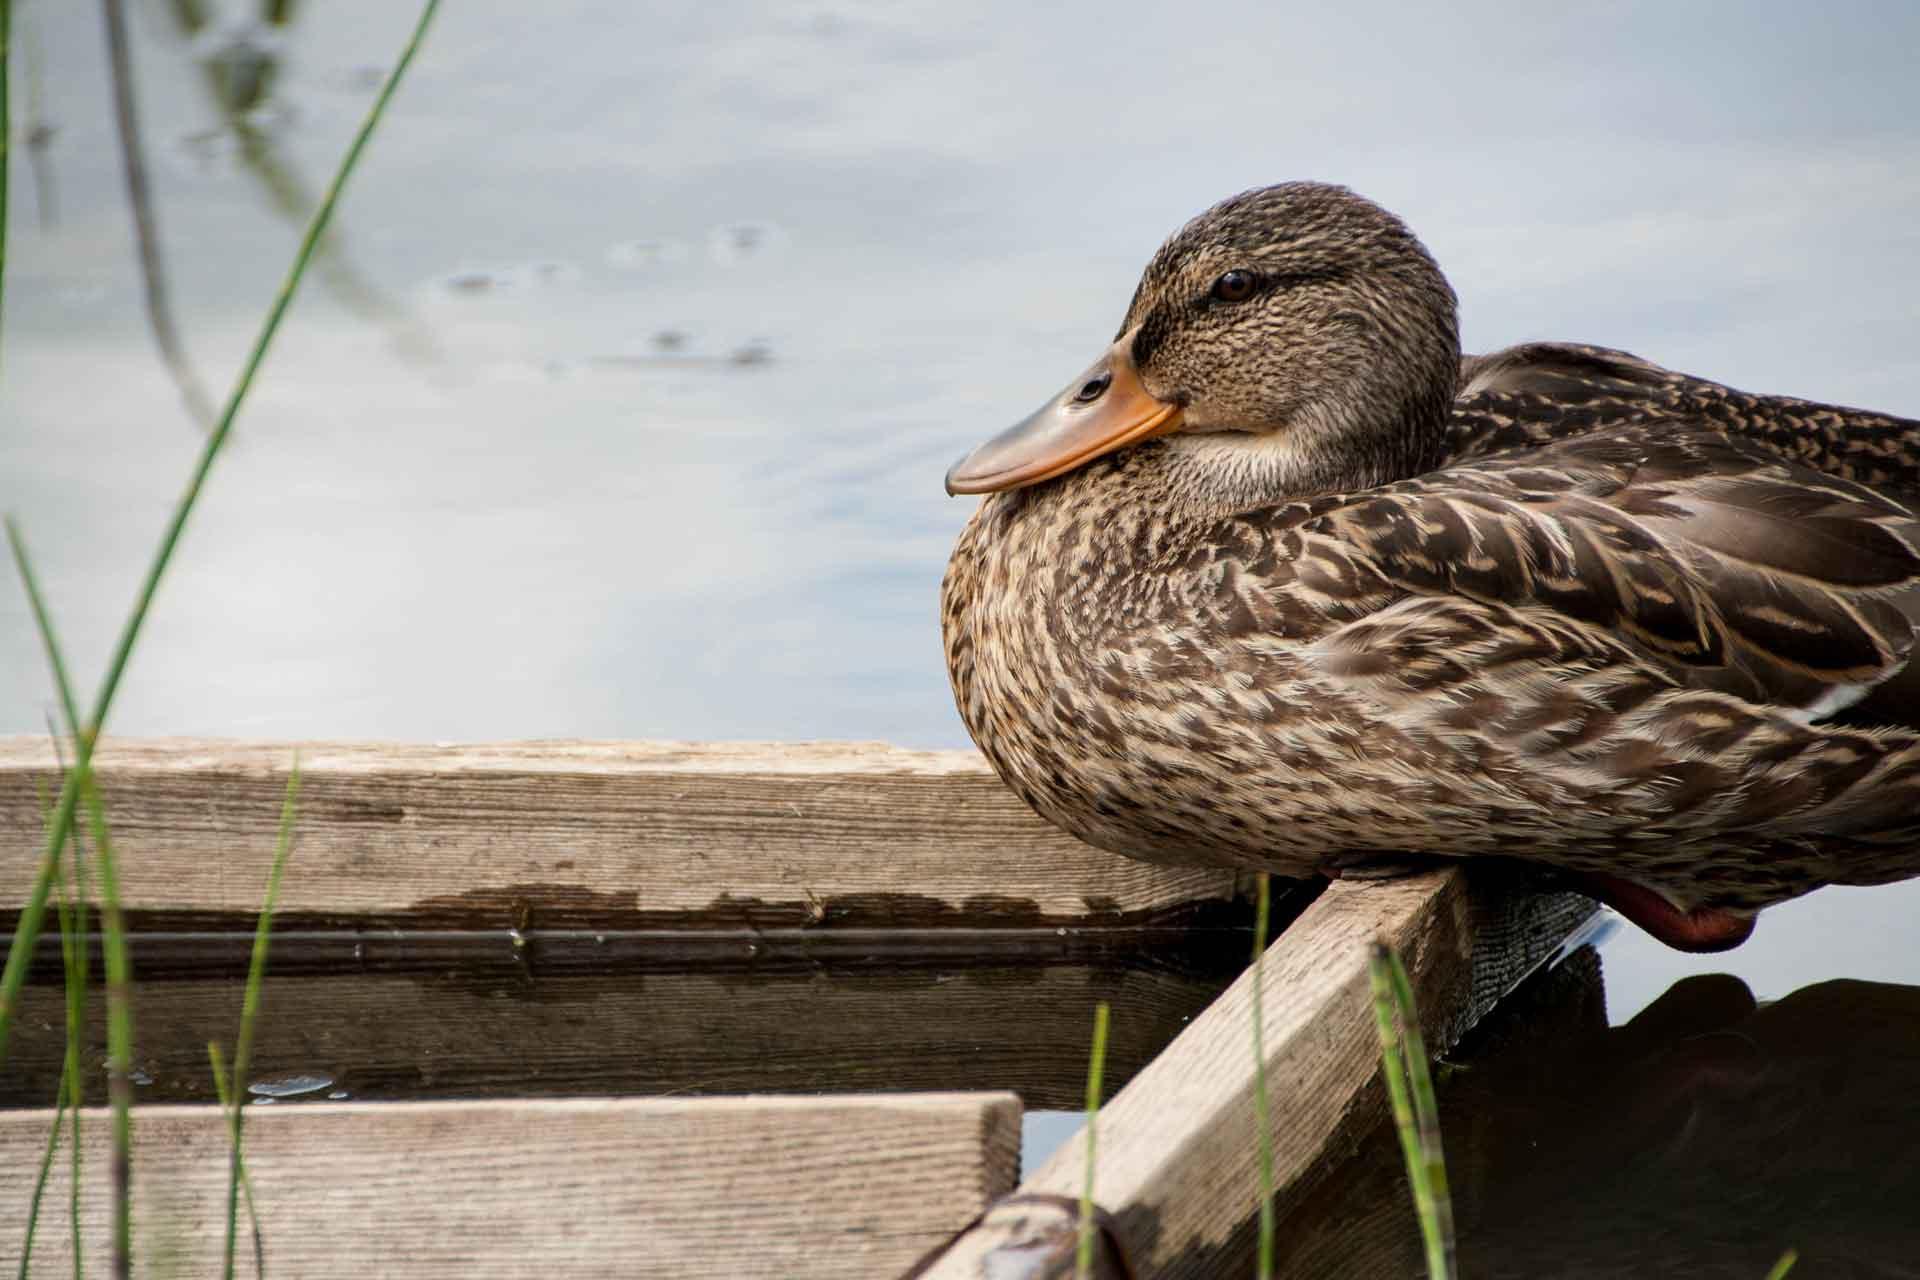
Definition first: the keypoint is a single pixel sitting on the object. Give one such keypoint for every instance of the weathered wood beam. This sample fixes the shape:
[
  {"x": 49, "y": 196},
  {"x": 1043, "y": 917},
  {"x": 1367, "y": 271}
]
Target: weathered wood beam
[
  {"x": 593, "y": 835},
  {"x": 782, "y": 1187},
  {"x": 1176, "y": 1167},
  {"x": 467, "y": 1034}
]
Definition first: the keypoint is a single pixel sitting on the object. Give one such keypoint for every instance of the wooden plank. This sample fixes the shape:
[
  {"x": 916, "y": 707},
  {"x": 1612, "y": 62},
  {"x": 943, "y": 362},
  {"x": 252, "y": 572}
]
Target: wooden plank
[
  {"x": 1176, "y": 1164},
  {"x": 631, "y": 835},
  {"x": 1022, "y": 1027},
  {"x": 786, "y": 1187}
]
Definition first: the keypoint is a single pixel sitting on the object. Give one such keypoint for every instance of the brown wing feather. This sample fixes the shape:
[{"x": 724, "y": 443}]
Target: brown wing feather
[
  {"x": 1541, "y": 391},
  {"x": 1710, "y": 560},
  {"x": 1621, "y": 630}
]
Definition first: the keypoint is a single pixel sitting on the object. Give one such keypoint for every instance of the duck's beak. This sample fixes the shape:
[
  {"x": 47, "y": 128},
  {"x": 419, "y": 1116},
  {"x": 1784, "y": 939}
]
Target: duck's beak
[{"x": 1103, "y": 409}]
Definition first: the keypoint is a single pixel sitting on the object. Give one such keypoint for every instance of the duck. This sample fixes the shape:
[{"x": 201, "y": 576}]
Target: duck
[{"x": 1284, "y": 582}]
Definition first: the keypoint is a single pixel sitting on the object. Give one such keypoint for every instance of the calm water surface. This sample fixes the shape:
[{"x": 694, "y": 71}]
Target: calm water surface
[{"x": 621, "y": 405}]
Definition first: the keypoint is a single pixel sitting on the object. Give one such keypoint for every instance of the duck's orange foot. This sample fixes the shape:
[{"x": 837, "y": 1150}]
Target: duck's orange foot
[{"x": 1701, "y": 929}]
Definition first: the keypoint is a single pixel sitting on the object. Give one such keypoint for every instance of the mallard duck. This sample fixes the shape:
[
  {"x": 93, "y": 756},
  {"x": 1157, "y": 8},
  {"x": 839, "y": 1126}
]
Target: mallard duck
[{"x": 1283, "y": 582}]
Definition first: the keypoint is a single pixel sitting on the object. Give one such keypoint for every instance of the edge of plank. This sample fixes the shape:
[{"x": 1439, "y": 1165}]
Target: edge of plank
[{"x": 536, "y": 755}]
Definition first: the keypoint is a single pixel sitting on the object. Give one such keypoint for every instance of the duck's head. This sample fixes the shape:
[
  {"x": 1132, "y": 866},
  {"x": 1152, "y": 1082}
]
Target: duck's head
[{"x": 1292, "y": 340}]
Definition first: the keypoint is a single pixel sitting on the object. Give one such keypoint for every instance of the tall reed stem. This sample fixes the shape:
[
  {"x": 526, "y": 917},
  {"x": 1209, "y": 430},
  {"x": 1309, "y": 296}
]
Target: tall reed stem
[
  {"x": 1096, "y": 1071},
  {"x": 1263, "y": 1125},
  {"x": 1416, "y": 1114},
  {"x": 249, "y": 1011}
]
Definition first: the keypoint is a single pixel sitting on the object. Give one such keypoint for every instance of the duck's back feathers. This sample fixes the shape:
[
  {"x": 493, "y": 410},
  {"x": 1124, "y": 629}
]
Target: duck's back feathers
[
  {"x": 1542, "y": 391},
  {"x": 1654, "y": 630}
]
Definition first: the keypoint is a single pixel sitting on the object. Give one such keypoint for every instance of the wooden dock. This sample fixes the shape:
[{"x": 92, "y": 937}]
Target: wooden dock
[
  {"x": 671, "y": 835},
  {"x": 1175, "y": 1171},
  {"x": 491, "y": 939},
  {"x": 667, "y": 1188}
]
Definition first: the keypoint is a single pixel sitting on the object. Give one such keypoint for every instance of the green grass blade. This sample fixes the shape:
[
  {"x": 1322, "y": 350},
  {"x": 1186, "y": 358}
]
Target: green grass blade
[
  {"x": 1263, "y": 1132},
  {"x": 69, "y": 941},
  {"x": 1403, "y": 1062},
  {"x": 119, "y": 1030},
  {"x": 63, "y": 686},
  {"x": 230, "y": 1103},
  {"x": 73, "y": 1075},
  {"x": 76, "y": 1032},
  {"x": 76, "y": 961},
  {"x": 76, "y": 1101},
  {"x": 1096, "y": 1071},
  {"x": 79, "y": 780},
  {"x": 71, "y": 1094},
  {"x": 1426, "y": 1108},
  {"x": 27, "y": 929},
  {"x": 1785, "y": 1265},
  {"x": 40, "y": 1181},
  {"x": 250, "y": 1008}
]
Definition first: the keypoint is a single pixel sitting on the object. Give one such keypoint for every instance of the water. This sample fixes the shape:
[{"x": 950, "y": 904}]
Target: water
[
  {"x": 621, "y": 410},
  {"x": 288, "y": 1086},
  {"x": 1702, "y": 1138},
  {"x": 467, "y": 1026}
]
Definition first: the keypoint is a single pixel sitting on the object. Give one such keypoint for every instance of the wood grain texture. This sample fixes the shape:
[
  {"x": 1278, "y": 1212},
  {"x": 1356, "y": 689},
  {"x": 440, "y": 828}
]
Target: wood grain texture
[
  {"x": 640, "y": 834},
  {"x": 1176, "y": 1166},
  {"x": 464, "y": 1035},
  {"x": 783, "y": 1187}
]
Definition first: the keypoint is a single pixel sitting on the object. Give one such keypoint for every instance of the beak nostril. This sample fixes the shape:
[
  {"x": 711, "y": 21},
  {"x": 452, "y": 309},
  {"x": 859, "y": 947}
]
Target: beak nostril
[{"x": 1093, "y": 388}]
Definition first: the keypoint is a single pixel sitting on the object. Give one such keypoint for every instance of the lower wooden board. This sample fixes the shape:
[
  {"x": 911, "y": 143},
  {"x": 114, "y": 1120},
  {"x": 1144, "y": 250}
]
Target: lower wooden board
[
  {"x": 1176, "y": 1170},
  {"x": 467, "y": 1033},
  {"x": 779, "y": 1187}
]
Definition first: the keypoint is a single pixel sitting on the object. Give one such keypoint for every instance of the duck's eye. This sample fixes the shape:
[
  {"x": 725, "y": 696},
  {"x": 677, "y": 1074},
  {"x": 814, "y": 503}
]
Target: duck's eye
[{"x": 1235, "y": 286}]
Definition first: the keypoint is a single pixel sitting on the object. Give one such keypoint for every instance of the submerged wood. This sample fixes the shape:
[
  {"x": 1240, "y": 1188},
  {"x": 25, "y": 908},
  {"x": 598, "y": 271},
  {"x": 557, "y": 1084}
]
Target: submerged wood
[
  {"x": 779, "y": 1187},
  {"x": 590, "y": 835},
  {"x": 1176, "y": 1169},
  {"x": 469, "y": 1034}
]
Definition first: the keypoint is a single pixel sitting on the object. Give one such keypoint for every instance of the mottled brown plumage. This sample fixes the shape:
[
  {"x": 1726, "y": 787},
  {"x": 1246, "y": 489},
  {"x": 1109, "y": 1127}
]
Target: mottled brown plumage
[{"x": 1369, "y": 599}]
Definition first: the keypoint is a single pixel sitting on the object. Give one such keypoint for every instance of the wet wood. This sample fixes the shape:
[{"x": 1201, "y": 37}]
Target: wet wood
[
  {"x": 786, "y": 1187},
  {"x": 631, "y": 835},
  {"x": 1176, "y": 1168},
  {"x": 472, "y": 1034}
]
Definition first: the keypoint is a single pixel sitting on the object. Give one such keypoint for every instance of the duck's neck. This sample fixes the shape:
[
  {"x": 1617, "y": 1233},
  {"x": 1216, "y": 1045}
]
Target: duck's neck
[{"x": 1220, "y": 473}]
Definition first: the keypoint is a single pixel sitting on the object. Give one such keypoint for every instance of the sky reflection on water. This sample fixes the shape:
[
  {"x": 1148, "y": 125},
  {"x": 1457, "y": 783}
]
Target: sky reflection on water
[{"x": 555, "y": 448}]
